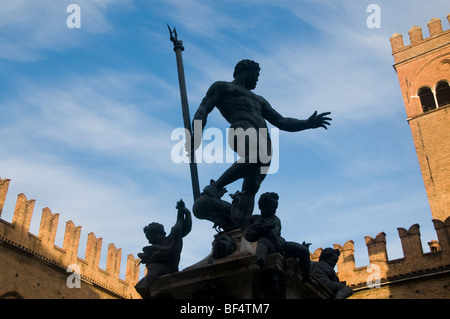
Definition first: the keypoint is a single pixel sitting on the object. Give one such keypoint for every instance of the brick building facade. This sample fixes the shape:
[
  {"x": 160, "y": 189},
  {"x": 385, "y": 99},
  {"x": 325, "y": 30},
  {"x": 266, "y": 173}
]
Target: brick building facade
[{"x": 33, "y": 267}]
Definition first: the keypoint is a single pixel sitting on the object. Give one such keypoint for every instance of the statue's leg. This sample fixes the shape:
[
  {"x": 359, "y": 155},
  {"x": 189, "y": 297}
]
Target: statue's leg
[
  {"x": 252, "y": 181},
  {"x": 295, "y": 250},
  {"x": 250, "y": 186},
  {"x": 344, "y": 292},
  {"x": 253, "y": 152},
  {"x": 340, "y": 290},
  {"x": 236, "y": 171},
  {"x": 264, "y": 247},
  {"x": 142, "y": 287}
]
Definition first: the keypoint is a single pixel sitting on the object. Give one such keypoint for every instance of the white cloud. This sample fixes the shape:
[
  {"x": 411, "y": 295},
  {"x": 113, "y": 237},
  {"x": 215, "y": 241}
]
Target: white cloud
[
  {"x": 202, "y": 18},
  {"x": 29, "y": 27},
  {"x": 90, "y": 114},
  {"x": 83, "y": 150}
]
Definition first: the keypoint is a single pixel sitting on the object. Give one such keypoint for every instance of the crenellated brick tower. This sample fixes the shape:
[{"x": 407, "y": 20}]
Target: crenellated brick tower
[{"x": 423, "y": 69}]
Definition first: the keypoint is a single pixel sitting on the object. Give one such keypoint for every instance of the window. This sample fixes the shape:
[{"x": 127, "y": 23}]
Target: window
[
  {"x": 443, "y": 93},
  {"x": 434, "y": 246},
  {"x": 427, "y": 99},
  {"x": 11, "y": 295}
]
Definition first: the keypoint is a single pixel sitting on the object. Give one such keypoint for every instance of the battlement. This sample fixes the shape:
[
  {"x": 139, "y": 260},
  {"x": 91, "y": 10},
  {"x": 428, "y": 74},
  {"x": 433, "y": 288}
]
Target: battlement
[
  {"x": 414, "y": 260},
  {"x": 42, "y": 247},
  {"x": 418, "y": 44}
]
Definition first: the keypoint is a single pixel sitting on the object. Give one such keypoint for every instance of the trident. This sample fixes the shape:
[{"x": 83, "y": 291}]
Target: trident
[{"x": 178, "y": 48}]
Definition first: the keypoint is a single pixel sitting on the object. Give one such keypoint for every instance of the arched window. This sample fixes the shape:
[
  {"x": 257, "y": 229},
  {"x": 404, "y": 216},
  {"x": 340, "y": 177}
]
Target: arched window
[
  {"x": 427, "y": 99},
  {"x": 443, "y": 93},
  {"x": 11, "y": 295}
]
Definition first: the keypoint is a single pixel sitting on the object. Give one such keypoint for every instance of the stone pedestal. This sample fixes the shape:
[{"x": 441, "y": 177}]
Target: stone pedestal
[{"x": 237, "y": 276}]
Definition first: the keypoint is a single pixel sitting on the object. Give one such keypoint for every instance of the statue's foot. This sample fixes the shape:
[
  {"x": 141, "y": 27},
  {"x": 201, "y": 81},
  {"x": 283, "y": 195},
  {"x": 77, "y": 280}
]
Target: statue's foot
[
  {"x": 213, "y": 191},
  {"x": 237, "y": 195},
  {"x": 143, "y": 291}
]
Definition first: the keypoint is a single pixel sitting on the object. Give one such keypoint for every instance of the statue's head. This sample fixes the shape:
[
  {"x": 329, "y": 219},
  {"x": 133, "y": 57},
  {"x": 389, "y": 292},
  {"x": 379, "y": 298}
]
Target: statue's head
[
  {"x": 268, "y": 204},
  {"x": 247, "y": 71},
  {"x": 155, "y": 233},
  {"x": 330, "y": 256},
  {"x": 223, "y": 246}
]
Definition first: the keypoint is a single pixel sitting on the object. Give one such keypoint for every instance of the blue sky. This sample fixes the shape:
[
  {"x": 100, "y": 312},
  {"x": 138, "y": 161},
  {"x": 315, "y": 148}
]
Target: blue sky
[{"x": 86, "y": 114}]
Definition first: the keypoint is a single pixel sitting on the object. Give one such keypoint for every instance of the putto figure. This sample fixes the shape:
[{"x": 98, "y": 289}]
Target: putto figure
[
  {"x": 323, "y": 270},
  {"x": 266, "y": 230},
  {"x": 247, "y": 114},
  {"x": 163, "y": 255}
]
